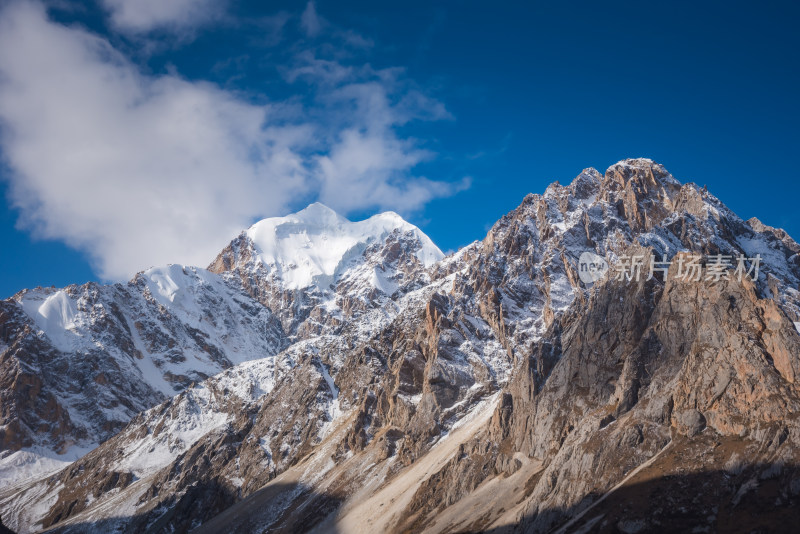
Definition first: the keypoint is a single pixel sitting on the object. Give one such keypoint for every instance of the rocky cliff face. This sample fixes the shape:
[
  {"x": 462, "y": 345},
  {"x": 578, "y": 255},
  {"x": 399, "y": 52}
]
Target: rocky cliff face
[{"x": 493, "y": 390}]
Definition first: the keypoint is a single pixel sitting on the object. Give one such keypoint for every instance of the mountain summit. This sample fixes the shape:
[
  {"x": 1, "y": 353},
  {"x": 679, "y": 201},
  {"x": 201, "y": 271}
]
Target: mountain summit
[
  {"x": 314, "y": 246},
  {"x": 384, "y": 391},
  {"x": 317, "y": 261}
]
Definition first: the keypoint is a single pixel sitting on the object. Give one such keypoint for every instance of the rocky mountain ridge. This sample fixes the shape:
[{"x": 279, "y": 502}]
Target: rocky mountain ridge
[
  {"x": 78, "y": 363},
  {"x": 492, "y": 390}
]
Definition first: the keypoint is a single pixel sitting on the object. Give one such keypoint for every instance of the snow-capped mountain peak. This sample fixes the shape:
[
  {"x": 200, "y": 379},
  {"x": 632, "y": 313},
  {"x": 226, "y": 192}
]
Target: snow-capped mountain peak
[{"x": 313, "y": 246}]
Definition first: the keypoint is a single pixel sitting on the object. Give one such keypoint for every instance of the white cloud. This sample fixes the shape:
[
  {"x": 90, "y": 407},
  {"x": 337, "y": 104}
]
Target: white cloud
[
  {"x": 141, "y": 16},
  {"x": 141, "y": 170},
  {"x": 310, "y": 21},
  {"x": 368, "y": 164}
]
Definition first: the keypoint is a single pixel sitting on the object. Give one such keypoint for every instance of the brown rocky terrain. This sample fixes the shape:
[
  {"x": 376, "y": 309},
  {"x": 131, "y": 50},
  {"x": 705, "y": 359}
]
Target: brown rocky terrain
[{"x": 493, "y": 390}]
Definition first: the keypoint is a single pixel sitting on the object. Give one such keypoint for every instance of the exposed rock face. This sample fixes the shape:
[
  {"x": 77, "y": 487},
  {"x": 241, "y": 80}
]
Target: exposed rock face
[
  {"x": 77, "y": 363},
  {"x": 692, "y": 359},
  {"x": 316, "y": 270},
  {"x": 490, "y": 391}
]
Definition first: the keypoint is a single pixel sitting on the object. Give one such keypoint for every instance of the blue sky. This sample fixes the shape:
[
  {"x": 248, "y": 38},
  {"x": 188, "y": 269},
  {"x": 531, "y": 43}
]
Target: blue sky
[{"x": 140, "y": 133}]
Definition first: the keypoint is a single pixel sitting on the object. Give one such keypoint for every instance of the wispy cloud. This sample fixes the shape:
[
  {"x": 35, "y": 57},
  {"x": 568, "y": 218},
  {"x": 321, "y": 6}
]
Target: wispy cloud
[
  {"x": 142, "y": 16},
  {"x": 139, "y": 169},
  {"x": 310, "y": 20},
  {"x": 367, "y": 163}
]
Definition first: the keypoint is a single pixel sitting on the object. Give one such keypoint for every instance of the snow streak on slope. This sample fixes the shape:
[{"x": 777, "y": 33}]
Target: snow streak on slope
[
  {"x": 174, "y": 428},
  {"x": 101, "y": 354},
  {"x": 190, "y": 303},
  {"x": 34, "y": 462},
  {"x": 56, "y": 315}
]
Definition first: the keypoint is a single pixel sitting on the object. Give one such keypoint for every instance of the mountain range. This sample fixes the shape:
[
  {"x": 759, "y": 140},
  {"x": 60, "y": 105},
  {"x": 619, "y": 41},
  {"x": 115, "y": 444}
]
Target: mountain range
[{"x": 335, "y": 376}]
